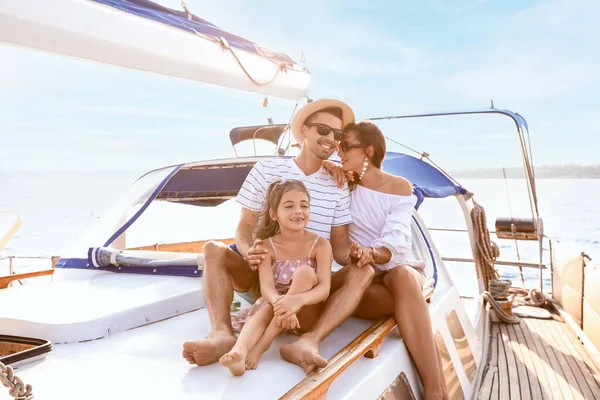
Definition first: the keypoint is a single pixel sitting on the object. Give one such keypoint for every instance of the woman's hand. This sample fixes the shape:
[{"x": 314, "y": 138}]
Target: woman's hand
[
  {"x": 338, "y": 173},
  {"x": 256, "y": 254},
  {"x": 286, "y": 306},
  {"x": 363, "y": 254}
]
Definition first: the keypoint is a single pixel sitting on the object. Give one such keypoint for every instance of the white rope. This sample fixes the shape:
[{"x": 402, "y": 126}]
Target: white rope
[
  {"x": 16, "y": 388},
  {"x": 497, "y": 289},
  {"x": 512, "y": 319}
]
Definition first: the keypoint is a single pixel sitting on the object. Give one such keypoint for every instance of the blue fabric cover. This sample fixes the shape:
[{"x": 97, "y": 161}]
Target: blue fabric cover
[
  {"x": 179, "y": 19},
  {"x": 226, "y": 181},
  {"x": 426, "y": 179}
]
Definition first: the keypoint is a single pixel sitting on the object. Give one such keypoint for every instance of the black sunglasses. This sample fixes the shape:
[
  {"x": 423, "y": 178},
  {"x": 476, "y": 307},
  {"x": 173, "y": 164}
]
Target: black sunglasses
[
  {"x": 345, "y": 146},
  {"x": 324, "y": 130}
]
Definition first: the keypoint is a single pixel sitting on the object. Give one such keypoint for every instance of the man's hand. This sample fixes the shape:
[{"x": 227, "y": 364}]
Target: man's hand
[
  {"x": 338, "y": 173},
  {"x": 256, "y": 254},
  {"x": 286, "y": 306}
]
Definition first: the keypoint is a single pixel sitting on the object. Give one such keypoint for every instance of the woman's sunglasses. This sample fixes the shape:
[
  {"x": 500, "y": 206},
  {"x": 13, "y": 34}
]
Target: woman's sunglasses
[
  {"x": 345, "y": 146},
  {"x": 324, "y": 130}
]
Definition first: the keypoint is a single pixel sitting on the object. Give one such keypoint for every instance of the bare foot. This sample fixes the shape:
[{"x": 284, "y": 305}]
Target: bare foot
[
  {"x": 235, "y": 360},
  {"x": 209, "y": 349},
  {"x": 253, "y": 357},
  {"x": 188, "y": 356},
  {"x": 304, "y": 352}
]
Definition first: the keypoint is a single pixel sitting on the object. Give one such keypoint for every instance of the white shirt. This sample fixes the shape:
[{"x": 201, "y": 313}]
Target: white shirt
[
  {"x": 382, "y": 220},
  {"x": 329, "y": 204}
]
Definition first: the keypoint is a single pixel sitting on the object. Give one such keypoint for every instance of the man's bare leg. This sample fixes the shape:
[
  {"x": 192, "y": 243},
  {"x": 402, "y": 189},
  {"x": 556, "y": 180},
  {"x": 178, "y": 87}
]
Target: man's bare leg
[
  {"x": 224, "y": 270},
  {"x": 377, "y": 302},
  {"x": 340, "y": 305},
  {"x": 304, "y": 279}
]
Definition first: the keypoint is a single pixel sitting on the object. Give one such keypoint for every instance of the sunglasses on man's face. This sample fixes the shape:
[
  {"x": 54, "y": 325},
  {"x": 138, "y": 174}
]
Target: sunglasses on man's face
[
  {"x": 324, "y": 130},
  {"x": 345, "y": 146}
]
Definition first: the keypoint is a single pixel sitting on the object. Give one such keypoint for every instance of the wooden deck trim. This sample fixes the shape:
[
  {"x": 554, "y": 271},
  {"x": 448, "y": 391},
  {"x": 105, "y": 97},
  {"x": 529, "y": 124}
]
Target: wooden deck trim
[
  {"x": 6, "y": 280},
  {"x": 558, "y": 382},
  {"x": 538, "y": 359},
  {"x": 578, "y": 332},
  {"x": 368, "y": 343},
  {"x": 316, "y": 385},
  {"x": 591, "y": 376},
  {"x": 182, "y": 247}
]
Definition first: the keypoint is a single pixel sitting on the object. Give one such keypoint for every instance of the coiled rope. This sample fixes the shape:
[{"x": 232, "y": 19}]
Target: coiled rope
[
  {"x": 486, "y": 253},
  {"x": 16, "y": 387}
]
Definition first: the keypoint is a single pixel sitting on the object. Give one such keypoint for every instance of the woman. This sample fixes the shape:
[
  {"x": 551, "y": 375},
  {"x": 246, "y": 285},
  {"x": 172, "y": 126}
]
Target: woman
[{"x": 382, "y": 208}]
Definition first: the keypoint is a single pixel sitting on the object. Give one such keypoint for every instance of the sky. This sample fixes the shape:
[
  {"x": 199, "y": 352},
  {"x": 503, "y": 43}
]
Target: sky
[{"x": 538, "y": 58}]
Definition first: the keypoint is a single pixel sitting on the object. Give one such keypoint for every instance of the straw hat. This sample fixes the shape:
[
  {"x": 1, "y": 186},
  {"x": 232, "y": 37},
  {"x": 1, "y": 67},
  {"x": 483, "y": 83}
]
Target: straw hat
[{"x": 317, "y": 105}]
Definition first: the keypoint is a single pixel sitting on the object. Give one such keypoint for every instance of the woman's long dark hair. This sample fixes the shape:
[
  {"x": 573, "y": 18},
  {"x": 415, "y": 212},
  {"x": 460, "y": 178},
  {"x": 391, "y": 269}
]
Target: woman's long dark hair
[
  {"x": 268, "y": 226},
  {"x": 368, "y": 134}
]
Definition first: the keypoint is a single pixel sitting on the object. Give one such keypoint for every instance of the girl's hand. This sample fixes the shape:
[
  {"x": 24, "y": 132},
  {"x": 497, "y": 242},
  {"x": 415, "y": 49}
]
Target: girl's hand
[
  {"x": 365, "y": 255},
  {"x": 286, "y": 306},
  {"x": 338, "y": 173},
  {"x": 289, "y": 323},
  {"x": 256, "y": 254}
]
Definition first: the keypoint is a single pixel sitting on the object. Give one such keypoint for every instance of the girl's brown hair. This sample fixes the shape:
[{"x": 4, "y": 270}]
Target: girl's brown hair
[{"x": 268, "y": 226}]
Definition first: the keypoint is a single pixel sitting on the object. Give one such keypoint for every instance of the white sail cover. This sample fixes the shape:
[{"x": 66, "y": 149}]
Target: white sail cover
[{"x": 143, "y": 35}]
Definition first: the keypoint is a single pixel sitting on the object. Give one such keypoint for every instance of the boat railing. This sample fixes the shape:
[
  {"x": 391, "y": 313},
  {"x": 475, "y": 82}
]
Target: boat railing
[
  {"x": 12, "y": 258},
  {"x": 14, "y": 276},
  {"x": 509, "y": 263}
]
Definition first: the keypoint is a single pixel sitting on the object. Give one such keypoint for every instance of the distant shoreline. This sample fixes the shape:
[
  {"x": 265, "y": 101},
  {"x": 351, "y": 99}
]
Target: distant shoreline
[{"x": 541, "y": 172}]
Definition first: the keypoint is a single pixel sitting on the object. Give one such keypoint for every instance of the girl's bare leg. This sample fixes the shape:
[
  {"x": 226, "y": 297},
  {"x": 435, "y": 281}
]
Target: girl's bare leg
[
  {"x": 414, "y": 323},
  {"x": 251, "y": 332},
  {"x": 304, "y": 279}
]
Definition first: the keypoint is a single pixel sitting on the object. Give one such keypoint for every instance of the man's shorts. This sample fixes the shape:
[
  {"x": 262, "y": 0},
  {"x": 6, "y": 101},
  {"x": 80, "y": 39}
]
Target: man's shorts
[{"x": 248, "y": 296}]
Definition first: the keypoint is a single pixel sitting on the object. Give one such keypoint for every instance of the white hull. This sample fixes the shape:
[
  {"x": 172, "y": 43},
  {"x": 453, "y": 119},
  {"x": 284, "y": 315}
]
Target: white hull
[
  {"x": 88, "y": 30},
  {"x": 146, "y": 363}
]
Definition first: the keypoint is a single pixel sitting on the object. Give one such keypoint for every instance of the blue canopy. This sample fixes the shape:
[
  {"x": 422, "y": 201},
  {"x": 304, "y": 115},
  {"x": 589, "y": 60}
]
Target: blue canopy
[
  {"x": 193, "y": 24},
  {"x": 210, "y": 185},
  {"x": 426, "y": 179}
]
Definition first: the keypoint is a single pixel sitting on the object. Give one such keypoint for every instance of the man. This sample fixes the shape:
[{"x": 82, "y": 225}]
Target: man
[{"x": 318, "y": 126}]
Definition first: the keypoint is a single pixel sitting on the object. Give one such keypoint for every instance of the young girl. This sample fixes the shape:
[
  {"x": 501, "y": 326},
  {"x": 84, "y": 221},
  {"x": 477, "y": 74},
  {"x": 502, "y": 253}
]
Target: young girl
[{"x": 295, "y": 273}]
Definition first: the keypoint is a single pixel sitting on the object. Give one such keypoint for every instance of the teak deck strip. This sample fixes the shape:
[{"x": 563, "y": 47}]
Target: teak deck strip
[
  {"x": 6, "y": 280},
  {"x": 538, "y": 359}
]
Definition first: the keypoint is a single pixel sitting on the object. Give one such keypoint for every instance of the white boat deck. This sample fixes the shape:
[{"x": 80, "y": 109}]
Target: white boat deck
[
  {"x": 80, "y": 305},
  {"x": 146, "y": 363}
]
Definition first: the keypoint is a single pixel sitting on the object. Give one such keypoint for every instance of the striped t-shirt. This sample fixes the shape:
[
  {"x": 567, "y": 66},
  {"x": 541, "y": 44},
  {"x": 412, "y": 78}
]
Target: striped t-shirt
[{"x": 329, "y": 204}]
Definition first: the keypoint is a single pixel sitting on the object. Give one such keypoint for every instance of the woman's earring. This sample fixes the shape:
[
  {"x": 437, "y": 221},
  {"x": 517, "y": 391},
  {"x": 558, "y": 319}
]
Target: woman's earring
[{"x": 365, "y": 165}]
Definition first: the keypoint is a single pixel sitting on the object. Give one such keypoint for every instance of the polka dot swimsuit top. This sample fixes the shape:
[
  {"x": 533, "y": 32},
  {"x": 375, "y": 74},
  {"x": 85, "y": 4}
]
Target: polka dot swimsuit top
[{"x": 283, "y": 270}]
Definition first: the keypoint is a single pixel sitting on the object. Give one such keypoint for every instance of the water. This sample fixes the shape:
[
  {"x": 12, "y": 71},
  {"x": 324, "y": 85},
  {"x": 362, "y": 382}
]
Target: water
[{"x": 57, "y": 208}]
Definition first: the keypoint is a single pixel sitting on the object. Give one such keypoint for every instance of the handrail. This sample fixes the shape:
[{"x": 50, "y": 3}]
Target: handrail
[
  {"x": 368, "y": 343},
  {"x": 6, "y": 280},
  {"x": 509, "y": 263}
]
